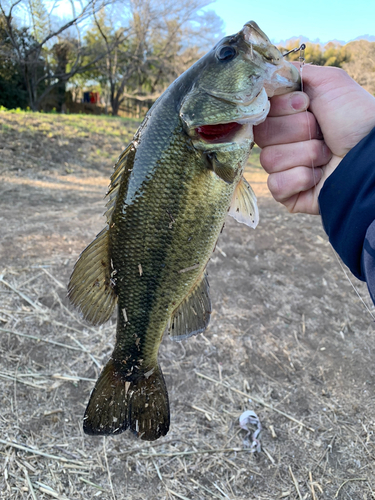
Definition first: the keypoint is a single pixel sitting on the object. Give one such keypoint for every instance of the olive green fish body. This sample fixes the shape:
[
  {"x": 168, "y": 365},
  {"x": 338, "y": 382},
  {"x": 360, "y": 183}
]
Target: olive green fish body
[
  {"x": 169, "y": 196},
  {"x": 162, "y": 236}
]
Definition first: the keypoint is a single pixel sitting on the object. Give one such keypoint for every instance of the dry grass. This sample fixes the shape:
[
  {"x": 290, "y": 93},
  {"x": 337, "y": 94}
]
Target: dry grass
[{"x": 288, "y": 339}]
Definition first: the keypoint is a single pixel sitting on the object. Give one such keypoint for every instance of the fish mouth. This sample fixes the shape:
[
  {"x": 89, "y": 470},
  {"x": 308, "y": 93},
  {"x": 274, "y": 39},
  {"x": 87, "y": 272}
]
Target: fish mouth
[
  {"x": 221, "y": 132},
  {"x": 239, "y": 128}
]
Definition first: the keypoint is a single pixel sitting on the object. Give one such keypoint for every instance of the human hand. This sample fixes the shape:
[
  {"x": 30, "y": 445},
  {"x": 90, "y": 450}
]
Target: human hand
[{"x": 340, "y": 113}]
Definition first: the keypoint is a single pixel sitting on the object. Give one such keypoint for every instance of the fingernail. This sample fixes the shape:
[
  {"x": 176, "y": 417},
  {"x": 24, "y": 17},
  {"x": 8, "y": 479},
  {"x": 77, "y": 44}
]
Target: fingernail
[{"x": 298, "y": 101}]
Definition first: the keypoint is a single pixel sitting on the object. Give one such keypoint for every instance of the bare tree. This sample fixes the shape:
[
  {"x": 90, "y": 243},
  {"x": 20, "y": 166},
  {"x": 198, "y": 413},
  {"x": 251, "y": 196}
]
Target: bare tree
[
  {"x": 158, "y": 40},
  {"x": 47, "y": 56}
]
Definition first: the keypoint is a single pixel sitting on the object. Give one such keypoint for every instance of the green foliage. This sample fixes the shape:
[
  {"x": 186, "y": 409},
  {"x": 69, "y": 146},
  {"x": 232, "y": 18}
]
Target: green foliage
[
  {"x": 40, "y": 19},
  {"x": 13, "y": 92}
]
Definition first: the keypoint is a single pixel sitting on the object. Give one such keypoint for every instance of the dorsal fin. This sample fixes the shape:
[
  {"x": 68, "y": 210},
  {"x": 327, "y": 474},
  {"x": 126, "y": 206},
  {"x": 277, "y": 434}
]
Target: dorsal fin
[
  {"x": 121, "y": 166},
  {"x": 193, "y": 314},
  {"x": 91, "y": 287},
  {"x": 244, "y": 206}
]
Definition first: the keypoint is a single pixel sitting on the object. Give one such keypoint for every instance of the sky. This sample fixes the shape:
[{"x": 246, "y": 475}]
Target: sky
[{"x": 324, "y": 19}]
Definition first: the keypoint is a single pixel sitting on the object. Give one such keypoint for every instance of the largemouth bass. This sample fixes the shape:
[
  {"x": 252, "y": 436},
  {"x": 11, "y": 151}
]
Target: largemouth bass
[{"x": 169, "y": 195}]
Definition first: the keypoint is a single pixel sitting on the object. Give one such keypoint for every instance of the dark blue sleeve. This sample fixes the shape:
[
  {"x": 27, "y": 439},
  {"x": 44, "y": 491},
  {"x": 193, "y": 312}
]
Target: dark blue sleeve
[{"x": 347, "y": 207}]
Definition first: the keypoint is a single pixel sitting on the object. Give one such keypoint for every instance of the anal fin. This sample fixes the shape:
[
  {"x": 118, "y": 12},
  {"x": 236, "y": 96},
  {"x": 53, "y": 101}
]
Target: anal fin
[
  {"x": 193, "y": 314},
  {"x": 244, "y": 206}
]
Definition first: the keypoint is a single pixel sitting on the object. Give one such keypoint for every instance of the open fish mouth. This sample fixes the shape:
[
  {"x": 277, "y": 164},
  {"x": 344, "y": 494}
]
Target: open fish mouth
[
  {"x": 222, "y": 132},
  {"x": 238, "y": 128}
]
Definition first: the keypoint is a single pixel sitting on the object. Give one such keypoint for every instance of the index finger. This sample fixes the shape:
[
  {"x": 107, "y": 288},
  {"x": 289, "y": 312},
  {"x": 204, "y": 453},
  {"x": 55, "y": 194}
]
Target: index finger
[{"x": 289, "y": 104}]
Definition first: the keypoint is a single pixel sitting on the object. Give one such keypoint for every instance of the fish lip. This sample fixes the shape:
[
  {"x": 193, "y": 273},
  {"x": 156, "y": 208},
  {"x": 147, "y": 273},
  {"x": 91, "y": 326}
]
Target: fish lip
[
  {"x": 285, "y": 78},
  {"x": 282, "y": 75}
]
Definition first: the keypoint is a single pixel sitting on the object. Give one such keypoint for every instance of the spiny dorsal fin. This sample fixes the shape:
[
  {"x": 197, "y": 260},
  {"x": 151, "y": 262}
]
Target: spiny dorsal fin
[
  {"x": 121, "y": 166},
  {"x": 90, "y": 287},
  {"x": 244, "y": 206},
  {"x": 193, "y": 314}
]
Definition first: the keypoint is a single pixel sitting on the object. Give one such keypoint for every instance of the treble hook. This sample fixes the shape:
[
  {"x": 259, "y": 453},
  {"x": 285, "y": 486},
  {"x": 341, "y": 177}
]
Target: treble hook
[{"x": 300, "y": 48}]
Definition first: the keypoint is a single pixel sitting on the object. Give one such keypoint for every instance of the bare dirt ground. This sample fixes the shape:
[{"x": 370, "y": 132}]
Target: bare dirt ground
[{"x": 288, "y": 339}]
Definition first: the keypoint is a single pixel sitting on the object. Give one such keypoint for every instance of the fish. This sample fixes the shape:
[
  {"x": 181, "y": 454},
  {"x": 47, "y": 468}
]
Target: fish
[{"x": 169, "y": 195}]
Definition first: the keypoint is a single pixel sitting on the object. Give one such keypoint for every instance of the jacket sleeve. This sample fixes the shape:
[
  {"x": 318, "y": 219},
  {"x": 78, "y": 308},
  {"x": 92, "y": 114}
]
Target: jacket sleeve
[{"x": 347, "y": 207}]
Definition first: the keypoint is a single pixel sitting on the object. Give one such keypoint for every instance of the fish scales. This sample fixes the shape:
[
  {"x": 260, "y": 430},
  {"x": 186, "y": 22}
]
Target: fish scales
[
  {"x": 143, "y": 234},
  {"x": 168, "y": 199}
]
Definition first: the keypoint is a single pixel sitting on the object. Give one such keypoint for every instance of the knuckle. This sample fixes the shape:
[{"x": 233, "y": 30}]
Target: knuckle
[
  {"x": 319, "y": 153},
  {"x": 276, "y": 185},
  {"x": 315, "y": 151},
  {"x": 269, "y": 158},
  {"x": 304, "y": 179}
]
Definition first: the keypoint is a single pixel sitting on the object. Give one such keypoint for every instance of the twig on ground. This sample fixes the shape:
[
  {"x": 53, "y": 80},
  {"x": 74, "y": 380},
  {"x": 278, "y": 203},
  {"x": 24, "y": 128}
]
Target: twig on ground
[
  {"x": 16, "y": 379},
  {"x": 91, "y": 483},
  {"x": 49, "y": 491},
  {"x": 35, "y": 451},
  {"x": 59, "y": 344},
  {"x": 72, "y": 378},
  {"x": 195, "y": 452},
  {"x": 295, "y": 483},
  {"x": 329, "y": 448},
  {"x": 256, "y": 399},
  {"x": 177, "y": 494},
  {"x": 204, "y": 488},
  {"x": 79, "y": 343},
  {"x": 272, "y": 460},
  {"x": 29, "y": 483},
  {"x": 312, "y": 486},
  {"x": 348, "y": 481},
  {"x": 22, "y": 295},
  {"x": 108, "y": 470},
  {"x": 58, "y": 283},
  {"x": 157, "y": 469}
]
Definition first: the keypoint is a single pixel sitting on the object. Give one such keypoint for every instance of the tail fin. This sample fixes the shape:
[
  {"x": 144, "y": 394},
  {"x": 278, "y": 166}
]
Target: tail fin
[{"x": 138, "y": 401}]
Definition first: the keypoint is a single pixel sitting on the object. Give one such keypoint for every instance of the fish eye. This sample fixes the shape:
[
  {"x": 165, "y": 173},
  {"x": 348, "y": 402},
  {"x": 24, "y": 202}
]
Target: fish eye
[{"x": 226, "y": 53}]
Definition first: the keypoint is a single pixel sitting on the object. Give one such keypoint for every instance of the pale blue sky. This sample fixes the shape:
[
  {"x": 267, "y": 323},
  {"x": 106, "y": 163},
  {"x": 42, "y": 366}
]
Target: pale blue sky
[{"x": 280, "y": 20}]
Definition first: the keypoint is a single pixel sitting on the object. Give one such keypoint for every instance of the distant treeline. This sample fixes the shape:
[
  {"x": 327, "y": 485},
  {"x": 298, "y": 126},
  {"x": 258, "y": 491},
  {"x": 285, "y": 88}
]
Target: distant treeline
[
  {"x": 129, "y": 55},
  {"x": 357, "y": 58}
]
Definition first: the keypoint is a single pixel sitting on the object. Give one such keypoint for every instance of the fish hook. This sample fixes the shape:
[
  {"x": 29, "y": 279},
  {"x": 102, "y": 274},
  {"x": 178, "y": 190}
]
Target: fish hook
[{"x": 301, "y": 48}]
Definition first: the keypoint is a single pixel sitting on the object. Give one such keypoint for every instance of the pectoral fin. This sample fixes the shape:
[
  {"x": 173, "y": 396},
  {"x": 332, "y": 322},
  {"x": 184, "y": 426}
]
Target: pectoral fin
[
  {"x": 244, "y": 206},
  {"x": 225, "y": 171},
  {"x": 193, "y": 314}
]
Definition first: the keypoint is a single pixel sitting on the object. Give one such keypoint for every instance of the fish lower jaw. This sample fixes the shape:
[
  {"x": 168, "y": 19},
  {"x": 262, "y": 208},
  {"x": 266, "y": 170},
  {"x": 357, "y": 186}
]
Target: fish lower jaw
[{"x": 255, "y": 119}]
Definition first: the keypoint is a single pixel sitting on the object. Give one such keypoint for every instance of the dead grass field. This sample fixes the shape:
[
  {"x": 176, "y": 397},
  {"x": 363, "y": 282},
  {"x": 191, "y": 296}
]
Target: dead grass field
[{"x": 288, "y": 339}]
